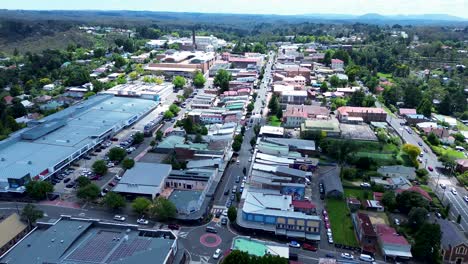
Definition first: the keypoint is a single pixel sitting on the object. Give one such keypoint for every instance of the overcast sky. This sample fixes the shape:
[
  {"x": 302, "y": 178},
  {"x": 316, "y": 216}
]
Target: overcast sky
[{"x": 281, "y": 7}]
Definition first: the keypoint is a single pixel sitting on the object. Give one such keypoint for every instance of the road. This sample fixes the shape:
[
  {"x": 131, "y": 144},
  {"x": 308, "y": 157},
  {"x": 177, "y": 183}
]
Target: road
[{"x": 458, "y": 205}]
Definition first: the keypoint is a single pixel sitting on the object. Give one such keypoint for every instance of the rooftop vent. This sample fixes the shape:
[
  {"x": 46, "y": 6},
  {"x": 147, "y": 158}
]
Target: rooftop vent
[
  {"x": 52, "y": 240},
  {"x": 61, "y": 241},
  {"x": 68, "y": 141},
  {"x": 29, "y": 162},
  {"x": 2, "y": 159}
]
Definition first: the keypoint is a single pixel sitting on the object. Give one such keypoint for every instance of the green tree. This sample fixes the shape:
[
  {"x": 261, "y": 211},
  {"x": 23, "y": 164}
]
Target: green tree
[
  {"x": 412, "y": 151},
  {"x": 133, "y": 75},
  {"x": 232, "y": 214},
  {"x": 417, "y": 216},
  {"x": 168, "y": 115},
  {"x": 357, "y": 98},
  {"x": 39, "y": 189},
  {"x": 407, "y": 200},
  {"x": 446, "y": 106},
  {"x": 188, "y": 125},
  {"x": 88, "y": 94},
  {"x": 99, "y": 167},
  {"x": 250, "y": 107},
  {"x": 327, "y": 58},
  {"x": 236, "y": 146},
  {"x": 140, "y": 205},
  {"x": 187, "y": 92},
  {"x": 114, "y": 201},
  {"x": 82, "y": 181},
  {"x": 427, "y": 243},
  {"x": 198, "y": 138},
  {"x": 433, "y": 139},
  {"x": 389, "y": 200},
  {"x": 253, "y": 141},
  {"x": 273, "y": 105},
  {"x": 221, "y": 80},
  {"x": 159, "y": 135},
  {"x": 324, "y": 87},
  {"x": 117, "y": 154},
  {"x": 163, "y": 209},
  {"x": 174, "y": 109},
  {"x": 138, "y": 138},
  {"x": 334, "y": 81},
  {"x": 128, "y": 163},
  {"x": 119, "y": 61},
  {"x": 425, "y": 107},
  {"x": 88, "y": 192},
  {"x": 30, "y": 214},
  {"x": 199, "y": 80},
  {"x": 179, "y": 82}
]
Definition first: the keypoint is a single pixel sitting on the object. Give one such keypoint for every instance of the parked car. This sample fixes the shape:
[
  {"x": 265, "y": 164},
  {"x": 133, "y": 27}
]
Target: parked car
[
  {"x": 330, "y": 255},
  {"x": 211, "y": 229},
  {"x": 111, "y": 184},
  {"x": 430, "y": 168},
  {"x": 465, "y": 198},
  {"x": 396, "y": 221},
  {"x": 224, "y": 221},
  {"x": 226, "y": 192},
  {"x": 142, "y": 221},
  {"x": 173, "y": 226},
  {"x": 420, "y": 144},
  {"x": 294, "y": 244},
  {"x": 218, "y": 214},
  {"x": 66, "y": 180},
  {"x": 310, "y": 247},
  {"x": 443, "y": 186},
  {"x": 365, "y": 185},
  {"x": 105, "y": 190},
  {"x": 347, "y": 256},
  {"x": 217, "y": 253},
  {"x": 70, "y": 185},
  {"x": 366, "y": 258},
  {"x": 119, "y": 218}
]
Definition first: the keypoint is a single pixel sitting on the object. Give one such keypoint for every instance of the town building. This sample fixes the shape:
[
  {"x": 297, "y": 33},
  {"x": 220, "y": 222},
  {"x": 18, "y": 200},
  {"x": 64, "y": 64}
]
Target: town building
[
  {"x": 144, "y": 179},
  {"x": 156, "y": 92},
  {"x": 398, "y": 171},
  {"x": 337, "y": 64},
  {"x": 462, "y": 165},
  {"x": 271, "y": 131},
  {"x": 81, "y": 241},
  {"x": 368, "y": 114},
  {"x": 329, "y": 127},
  {"x": 453, "y": 242},
  {"x": 182, "y": 63},
  {"x": 295, "y": 115},
  {"x": 12, "y": 230},
  {"x": 52, "y": 143},
  {"x": 365, "y": 232},
  {"x": 392, "y": 245}
]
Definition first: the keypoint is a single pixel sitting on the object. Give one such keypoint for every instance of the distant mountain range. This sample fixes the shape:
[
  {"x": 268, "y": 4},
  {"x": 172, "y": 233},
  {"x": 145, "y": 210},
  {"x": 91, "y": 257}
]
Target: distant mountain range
[{"x": 379, "y": 17}]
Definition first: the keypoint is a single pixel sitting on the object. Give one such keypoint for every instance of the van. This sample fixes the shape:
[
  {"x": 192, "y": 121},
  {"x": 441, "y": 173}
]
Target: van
[
  {"x": 210, "y": 229},
  {"x": 366, "y": 258},
  {"x": 234, "y": 189}
]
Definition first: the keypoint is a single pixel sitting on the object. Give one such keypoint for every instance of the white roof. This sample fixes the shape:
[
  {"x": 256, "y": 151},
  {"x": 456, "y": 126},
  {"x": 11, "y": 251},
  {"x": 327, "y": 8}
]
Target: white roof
[{"x": 271, "y": 130}]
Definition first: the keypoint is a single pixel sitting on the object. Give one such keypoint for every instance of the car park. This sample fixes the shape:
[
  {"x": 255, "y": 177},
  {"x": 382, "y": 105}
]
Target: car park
[
  {"x": 294, "y": 244},
  {"x": 119, "y": 218},
  {"x": 70, "y": 185},
  {"x": 217, "y": 254}
]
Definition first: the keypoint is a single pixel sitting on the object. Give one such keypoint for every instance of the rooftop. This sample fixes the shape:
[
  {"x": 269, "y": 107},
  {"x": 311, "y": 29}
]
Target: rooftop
[
  {"x": 33, "y": 150},
  {"x": 81, "y": 241},
  {"x": 259, "y": 248},
  {"x": 185, "y": 200},
  {"x": 389, "y": 235},
  {"x": 10, "y": 227},
  {"x": 451, "y": 236},
  {"x": 366, "y": 224},
  {"x": 344, "y": 110},
  {"x": 144, "y": 178},
  {"x": 272, "y": 130}
]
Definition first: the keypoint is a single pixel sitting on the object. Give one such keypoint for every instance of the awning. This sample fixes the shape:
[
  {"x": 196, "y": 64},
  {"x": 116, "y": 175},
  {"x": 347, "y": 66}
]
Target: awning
[
  {"x": 397, "y": 253},
  {"x": 312, "y": 237},
  {"x": 295, "y": 234}
]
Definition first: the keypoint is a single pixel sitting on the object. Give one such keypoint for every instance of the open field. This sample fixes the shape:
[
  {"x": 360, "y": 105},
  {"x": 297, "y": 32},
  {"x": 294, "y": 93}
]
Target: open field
[{"x": 341, "y": 223}]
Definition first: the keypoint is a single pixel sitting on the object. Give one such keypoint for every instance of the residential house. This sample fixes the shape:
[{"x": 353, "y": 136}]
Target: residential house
[
  {"x": 48, "y": 87},
  {"x": 454, "y": 243},
  {"x": 392, "y": 245},
  {"x": 330, "y": 127},
  {"x": 407, "y": 111},
  {"x": 398, "y": 171},
  {"x": 419, "y": 190},
  {"x": 8, "y": 99},
  {"x": 27, "y": 103},
  {"x": 293, "y": 97},
  {"x": 373, "y": 205},
  {"x": 295, "y": 115},
  {"x": 353, "y": 204},
  {"x": 462, "y": 165},
  {"x": 415, "y": 119},
  {"x": 43, "y": 99},
  {"x": 337, "y": 64},
  {"x": 365, "y": 232}
]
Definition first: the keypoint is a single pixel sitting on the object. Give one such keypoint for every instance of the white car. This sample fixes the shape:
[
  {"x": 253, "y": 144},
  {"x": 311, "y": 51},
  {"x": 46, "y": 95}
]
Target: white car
[
  {"x": 465, "y": 198},
  {"x": 454, "y": 192},
  {"x": 365, "y": 185},
  {"x": 397, "y": 222},
  {"x": 119, "y": 218},
  {"x": 110, "y": 165},
  {"x": 142, "y": 221},
  {"x": 217, "y": 253},
  {"x": 225, "y": 212},
  {"x": 347, "y": 256}
]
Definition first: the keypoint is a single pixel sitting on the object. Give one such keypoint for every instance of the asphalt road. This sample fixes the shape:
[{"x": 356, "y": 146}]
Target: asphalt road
[{"x": 458, "y": 205}]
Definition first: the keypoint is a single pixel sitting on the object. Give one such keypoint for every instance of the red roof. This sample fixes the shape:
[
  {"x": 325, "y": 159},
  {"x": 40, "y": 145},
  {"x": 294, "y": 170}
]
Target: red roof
[
  {"x": 366, "y": 225},
  {"x": 8, "y": 99},
  {"x": 303, "y": 204},
  {"x": 337, "y": 61},
  {"x": 388, "y": 235},
  {"x": 407, "y": 111},
  {"x": 352, "y": 200},
  {"x": 345, "y": 109},
  {"x": 418, "y": 190},
  {"x": 378, "y": 196}
]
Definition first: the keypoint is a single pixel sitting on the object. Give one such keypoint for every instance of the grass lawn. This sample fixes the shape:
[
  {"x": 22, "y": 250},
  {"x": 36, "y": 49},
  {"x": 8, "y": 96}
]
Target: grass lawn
[
  {"x": 449, "y": 151},
  {"x": 341, "y": 223},
  {"x": 359, "y": 194},
  {"x": 462, "y": 126},
  {"x": 274, "y": 121}
]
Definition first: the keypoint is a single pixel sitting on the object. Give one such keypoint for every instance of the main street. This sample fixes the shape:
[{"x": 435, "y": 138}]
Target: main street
[{"x": 458, "y": 205}]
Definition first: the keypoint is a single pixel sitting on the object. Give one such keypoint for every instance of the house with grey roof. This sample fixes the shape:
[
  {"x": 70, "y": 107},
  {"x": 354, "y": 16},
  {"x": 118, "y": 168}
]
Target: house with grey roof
[
  {"x": 144, "y": 179},
  {"x": 330, "y": 178},
  {"x": 397, "y": 171}
]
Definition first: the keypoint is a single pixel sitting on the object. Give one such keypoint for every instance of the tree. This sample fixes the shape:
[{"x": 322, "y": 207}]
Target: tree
[
  {"x": 427, "y": 243},
  {"x": 446, "y": 107},
  {"x": 425, "y": 108},
  {"x": 88, "y": 192},
  {"x": 88, "y": 94},
  {"x": 334, "y": 81},
  {"x": 221, "y": 80},
  {"x": 237, "y": 256},
  {"x": 174, "y": 109},
  {"x": 236, "y": 146},
  {"x": 412, "y": 151},
  {"x": 324, "y": 87},
  {"x": 99, "y": 167},
  {"x": 407, "y": 200},
  {"x": 198, "y": 138},
  {"x": 114, "y": 201},
  {"x": 179, "y": 82},
  {"x": 82, "y": 181},
  {"x": 253, "y": 141},
  {"x": 30, "y": 214},
  {"x": 128, "y": 163},
  {"x": 273, "y": 104},
  {"x": 133, "y": 75},
  {"x": 433, "y": 139},
  {"x": 119, "y": 61},
  {"x": 357, "y": 98},
  {"x": 417, "y": 216},
  {"x": 199, "y": 80},
  {"x": 138, "y": 138},
  {"x": 250, "y": 107},
  {"x": 159, "y": 135},
  {"x": 188, "y": 125},
  {"x": 163, "y": 209},
  {"x": 187, "y": 92},
  {"x": 232, "y": 213},
  {"x": 140, "y": 205},
  {"x": 327, "y": 58},
  {"x": 39, "y": 189},
  {"x": 117, "y": 154},
  {"x": 168, "y": 115},
  {"x": 389, "y": 200}
]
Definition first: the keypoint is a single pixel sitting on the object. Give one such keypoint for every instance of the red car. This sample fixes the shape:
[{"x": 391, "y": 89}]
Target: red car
[
  {"x": 327, "y": 225},
  {"x": 430, "y": 168},
  {"x": 112, "y": 184},
  {"x": 310, "y": 247},
  {"x": 173, "y": 227}
]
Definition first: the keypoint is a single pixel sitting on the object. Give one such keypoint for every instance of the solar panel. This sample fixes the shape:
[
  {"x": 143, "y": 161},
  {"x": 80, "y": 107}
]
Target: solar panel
[
  {"x": 129, "y": 248},
  {"x": 97, "y": 247}
]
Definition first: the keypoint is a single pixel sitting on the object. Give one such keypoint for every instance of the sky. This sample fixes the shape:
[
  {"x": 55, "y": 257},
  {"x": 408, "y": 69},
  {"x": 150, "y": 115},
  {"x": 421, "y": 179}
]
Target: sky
[{"x": 280, "y": 7}]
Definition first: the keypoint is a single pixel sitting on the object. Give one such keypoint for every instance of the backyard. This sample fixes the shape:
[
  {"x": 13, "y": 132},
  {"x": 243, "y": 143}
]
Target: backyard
[
  {"x": 274, "y": 121},
  {"x": 341, "y": 224},
  {"x": 440, "y": 151}
]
